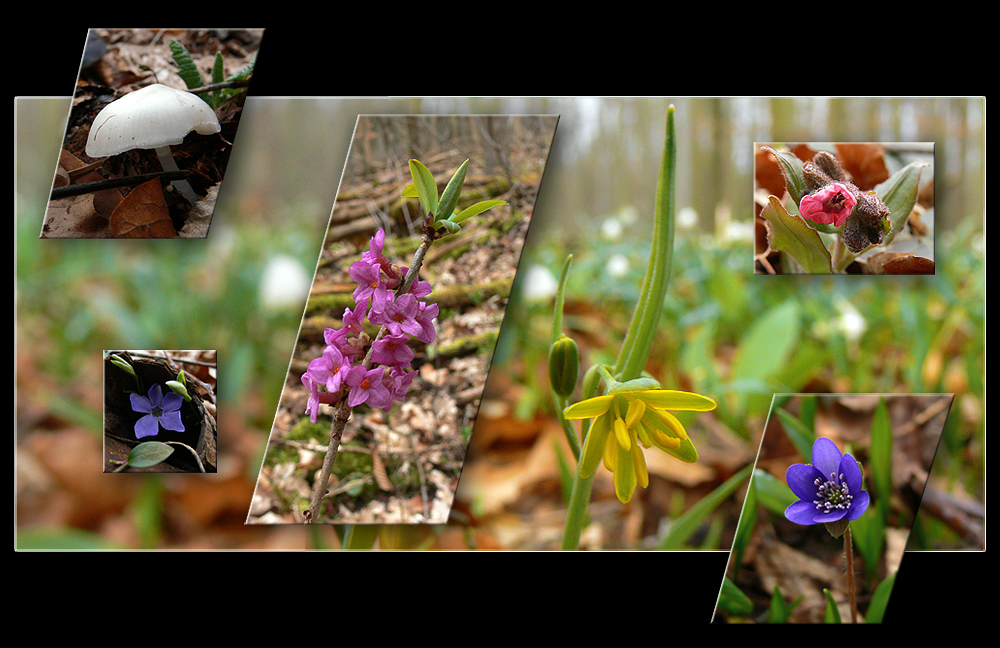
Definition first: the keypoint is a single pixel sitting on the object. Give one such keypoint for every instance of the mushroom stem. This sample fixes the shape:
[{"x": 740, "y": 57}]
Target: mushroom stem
[{"x": 168, "y": 164}]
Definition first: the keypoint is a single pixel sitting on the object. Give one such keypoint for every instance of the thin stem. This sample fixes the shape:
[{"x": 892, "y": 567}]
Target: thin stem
[
  {"x": 557, "y": 318},
  {"x": 343, "y": 412},
  {"x": 576, "y": 511},
  {"x": 849, "y": 557},
  {"x": 579, "y": 497},
  {"x": 168, "y": 164}
]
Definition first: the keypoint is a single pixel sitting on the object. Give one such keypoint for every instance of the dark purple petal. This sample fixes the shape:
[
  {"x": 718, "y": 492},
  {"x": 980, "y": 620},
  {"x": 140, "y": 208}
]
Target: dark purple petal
[
  {"x": 826, "y": 457},
  {"x": 146, "y": 426},
  {"x": 859, "y": 505},
  {"x": 156, "y": 395},
  {"x": 172, "y": 402},
  {"x": 172, "y": 421},
  {"x": 832, "y": 516},
  {"x": 140, "y": 403},
  {"x": 852, "y": 474},
  {"x": 801, "y": 512},
  {"x": 801, "y": 479}
]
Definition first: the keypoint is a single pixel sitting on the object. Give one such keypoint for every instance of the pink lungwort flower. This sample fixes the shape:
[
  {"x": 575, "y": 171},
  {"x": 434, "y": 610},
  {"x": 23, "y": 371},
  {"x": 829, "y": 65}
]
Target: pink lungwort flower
[{"x": 831, "y": 204}]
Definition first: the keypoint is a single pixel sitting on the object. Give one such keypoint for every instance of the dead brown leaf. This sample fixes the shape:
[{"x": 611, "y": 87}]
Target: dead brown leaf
[{"x": 143, "y": 214}]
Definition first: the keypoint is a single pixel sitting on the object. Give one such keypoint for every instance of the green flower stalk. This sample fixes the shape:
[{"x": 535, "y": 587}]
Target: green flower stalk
[{"x": 634, "y": 411}]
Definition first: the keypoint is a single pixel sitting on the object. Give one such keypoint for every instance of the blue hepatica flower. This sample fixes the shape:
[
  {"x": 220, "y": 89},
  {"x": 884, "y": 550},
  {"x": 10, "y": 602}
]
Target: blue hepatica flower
[
  {"x": 830, "y": 489},
  {"x": 159, "y": 409}
]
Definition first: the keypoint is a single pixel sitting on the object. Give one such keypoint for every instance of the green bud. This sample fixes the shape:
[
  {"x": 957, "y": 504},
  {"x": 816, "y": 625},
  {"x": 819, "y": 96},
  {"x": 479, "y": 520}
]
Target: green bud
[
  {"x": 179, "y": 389},
  {"x": 564, "y": 365},
  {"x": 121, "y": 363}
]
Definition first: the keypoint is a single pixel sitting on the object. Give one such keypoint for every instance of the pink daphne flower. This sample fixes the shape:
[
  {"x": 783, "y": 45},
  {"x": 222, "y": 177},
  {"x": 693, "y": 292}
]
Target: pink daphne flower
[
  {"x": 367, "y": 387},
  {"x": 831, "y": 204},
  {"x": 370, "y": 284},
  {"x": 392, "y": 350},
  {"x": 399, "y": 315}
]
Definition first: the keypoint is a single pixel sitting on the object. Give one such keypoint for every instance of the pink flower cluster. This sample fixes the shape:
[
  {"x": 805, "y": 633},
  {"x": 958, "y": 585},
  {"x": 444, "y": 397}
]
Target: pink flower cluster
[
  {"x": 831, "y": 204},
  {"x": 403, "y": 315}
]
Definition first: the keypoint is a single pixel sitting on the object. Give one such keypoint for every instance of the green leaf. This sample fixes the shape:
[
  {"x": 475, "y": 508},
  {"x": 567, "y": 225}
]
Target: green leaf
[
  {"x": 802, "y": 437},
  {"x": 451, "y": 193},
  {"x": 791, "y": 169},
  {"x": 688, "y": 523},
  {"x": 636, "y": 346},
  {"x": 789, "y": 233},
  {"x": 832, "y": 614},
  {"x": 426, "y": 187},
  {"x": 745, "y": 528},
  {"x": 779, "y": 609},
  {"x": 880, "y": 454},
  {"x": 218, "y": 76},
  {"x": 765, "y": 348},
  {"x": 149, "y": 453},
  {"x": 899, "y": 193},
  {"x": 361, "y": 536},
  {"x": 453, "y": 228},
  {"x": 186, "y": 68},
  {"x": 733, "y": 600},
  {"x": 476, "y": 209},
  {"x": 774, "y": 495},
  {"x": 880, "y": 600}
]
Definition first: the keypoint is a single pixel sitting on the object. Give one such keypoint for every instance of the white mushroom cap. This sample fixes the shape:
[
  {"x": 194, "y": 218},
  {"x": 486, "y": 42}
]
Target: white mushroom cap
[{"x": 151, "y": 117}]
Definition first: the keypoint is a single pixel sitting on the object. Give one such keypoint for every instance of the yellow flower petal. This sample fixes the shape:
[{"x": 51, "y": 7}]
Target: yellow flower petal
[
  {"x": 675, "y": 400},
  {"x": 593, "y": 446},
  {"x": 625, "y": 478},
  {"x": 610, "y": 453},
  {"x": 636, "y": 408},
  {"x": 621, "y": 433},
  {"x": 589, "y": 408},
  {"x": 668, "y": 424},
  {"x": 639, "y": 463}
]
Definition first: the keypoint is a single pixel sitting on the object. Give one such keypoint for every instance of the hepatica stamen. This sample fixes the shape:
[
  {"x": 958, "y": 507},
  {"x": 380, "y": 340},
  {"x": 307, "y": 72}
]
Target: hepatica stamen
[{"x": 832, "y": 495}]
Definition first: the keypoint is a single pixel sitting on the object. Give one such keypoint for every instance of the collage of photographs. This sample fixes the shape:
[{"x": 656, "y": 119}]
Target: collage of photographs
[{"x": 746, "y": 328}]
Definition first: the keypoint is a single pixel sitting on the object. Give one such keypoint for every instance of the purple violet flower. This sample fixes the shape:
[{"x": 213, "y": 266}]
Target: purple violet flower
[
  {"x": 830, "y": 489},
  {"x": 159, "y": 409}
]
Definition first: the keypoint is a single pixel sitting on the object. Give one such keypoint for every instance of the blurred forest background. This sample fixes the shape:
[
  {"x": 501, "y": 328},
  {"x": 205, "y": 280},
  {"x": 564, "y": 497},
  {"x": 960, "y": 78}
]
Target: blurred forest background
[{"x": 725, "y": 333}]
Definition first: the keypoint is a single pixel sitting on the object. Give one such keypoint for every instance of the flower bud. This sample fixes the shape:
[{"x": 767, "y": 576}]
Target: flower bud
[{"x": 564, "y": 365}]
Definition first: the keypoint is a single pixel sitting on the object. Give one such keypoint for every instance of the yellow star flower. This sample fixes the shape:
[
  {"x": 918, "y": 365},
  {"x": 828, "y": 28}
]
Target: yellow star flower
[{"x": 625, "y": 422}]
